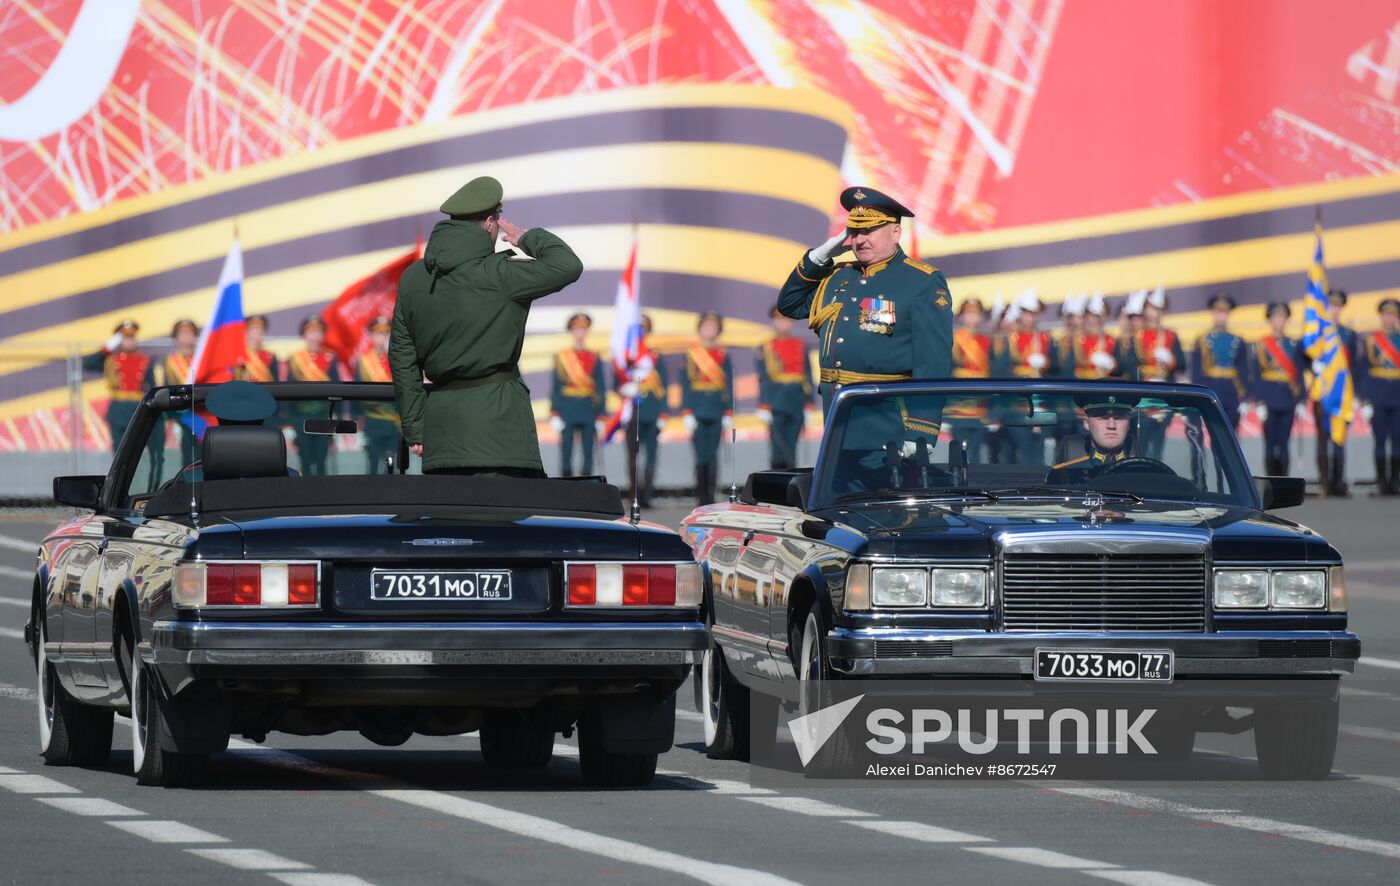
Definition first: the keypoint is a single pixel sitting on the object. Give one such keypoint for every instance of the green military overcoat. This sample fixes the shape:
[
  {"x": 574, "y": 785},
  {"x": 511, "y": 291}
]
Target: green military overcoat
[{"x": 460, "y": 318}]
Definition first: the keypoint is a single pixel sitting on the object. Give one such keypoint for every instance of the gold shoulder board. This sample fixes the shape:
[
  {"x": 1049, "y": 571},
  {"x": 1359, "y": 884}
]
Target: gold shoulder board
[{"x": 927, "y": 269}]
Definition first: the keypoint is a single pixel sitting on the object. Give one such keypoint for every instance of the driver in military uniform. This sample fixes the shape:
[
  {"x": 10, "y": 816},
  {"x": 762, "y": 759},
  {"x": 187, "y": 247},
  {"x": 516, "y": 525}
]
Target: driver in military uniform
[
  {"x": 1108, "y": 418},
  {"x": 883, "y": 316}
]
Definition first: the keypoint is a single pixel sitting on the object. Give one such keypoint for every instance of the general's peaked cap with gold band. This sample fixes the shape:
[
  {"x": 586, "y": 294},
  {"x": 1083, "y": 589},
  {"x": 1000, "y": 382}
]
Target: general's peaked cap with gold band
[
  {"x": 126, "y": 326},
  {"x": 868, "y": 208}
]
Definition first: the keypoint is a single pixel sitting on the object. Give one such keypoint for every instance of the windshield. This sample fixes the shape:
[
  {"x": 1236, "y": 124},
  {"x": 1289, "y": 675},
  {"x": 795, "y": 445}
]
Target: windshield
[
  {"x": 994, "y": 443},
  {"x": 354, "y": 434}
]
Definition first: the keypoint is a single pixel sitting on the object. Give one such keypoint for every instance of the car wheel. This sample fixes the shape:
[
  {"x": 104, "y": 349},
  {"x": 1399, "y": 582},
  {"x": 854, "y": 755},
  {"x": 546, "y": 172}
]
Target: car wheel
[
  {"x": 1297, "y": 741},
  {"x": 151, "y": 762},
  {"x": 724, "y": 708},
  {"x": 815, "y": 679},
  {"x": 510, "y": 741},
  {"x": 605, "y": 768},
  {"x": 70, "y": 733}
]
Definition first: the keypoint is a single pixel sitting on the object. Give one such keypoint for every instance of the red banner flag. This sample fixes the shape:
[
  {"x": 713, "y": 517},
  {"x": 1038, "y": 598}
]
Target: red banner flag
[{"x": 347, "y": 318}]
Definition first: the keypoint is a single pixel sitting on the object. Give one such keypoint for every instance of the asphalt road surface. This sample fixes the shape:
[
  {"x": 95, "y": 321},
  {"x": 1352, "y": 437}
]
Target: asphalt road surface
[{"x": 339, "y": 810}]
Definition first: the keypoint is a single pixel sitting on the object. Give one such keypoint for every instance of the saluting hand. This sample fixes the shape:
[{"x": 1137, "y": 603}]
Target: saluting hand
[
  {"x": 416, "y": 449},
  {"x": 511, "y": 232}
]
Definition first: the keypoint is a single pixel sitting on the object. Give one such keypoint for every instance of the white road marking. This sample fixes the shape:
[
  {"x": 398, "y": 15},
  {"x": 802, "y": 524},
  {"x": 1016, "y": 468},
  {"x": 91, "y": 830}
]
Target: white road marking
[
  {"x": 808, "y": 806},
  {"x": 166, "y": 831},
  {"x": 34, "y": 784},
  {"x": 12, "y": 572},
  {"x": 12, "y": 633},
  {"x": 684, "y": 714},
  {"x": 19, "y": 692},
  {"x": 251, "y": 859},
  {"x": 5, "y": 770},
  {"x": 11, "y": 601},
  {"x": 582, "y": 841},
  {"x": 89, "y": 806},
  {"x": 1370, "y": 732},
  {"x": 316, "y": 879},
  {"x": 1044, "y": 858},
  {"x": 1145, "y": 878},
  {"x": 1387, "y": 663},
  {"x": 1306, "y": 833},
  {"x": 19, "y": 544},
  {"x": 1385, "y": 781},
  {"x": 916, "y": 830},
  {"x": 724, "y": 786}
]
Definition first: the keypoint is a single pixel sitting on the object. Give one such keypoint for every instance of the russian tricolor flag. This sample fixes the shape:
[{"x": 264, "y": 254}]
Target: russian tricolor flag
[
  {"x": 628, "y": 355},
  {"x": 222, "y": 342}
]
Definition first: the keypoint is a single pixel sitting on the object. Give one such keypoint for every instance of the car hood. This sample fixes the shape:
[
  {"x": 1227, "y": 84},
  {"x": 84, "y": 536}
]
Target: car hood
[
  {"x": 970, "y": 529},
  {"x": 384, "y": 538}
]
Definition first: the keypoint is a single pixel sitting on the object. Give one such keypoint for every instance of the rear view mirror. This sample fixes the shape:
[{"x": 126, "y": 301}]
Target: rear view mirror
[
  {"x": 1280, "y": 492},
  {"x": 330, "y": 426},
  {"x": 79, "y": 491}
]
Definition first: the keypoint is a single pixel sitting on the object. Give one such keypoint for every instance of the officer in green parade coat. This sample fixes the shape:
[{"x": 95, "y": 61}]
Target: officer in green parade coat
[
  {"x": 576, "y": 397},
  {"x": 707, "y": 401},
  {"x": 784, "y": 390},
  {"x": 381, "y": 429},
  {"x": 460, "y": 321},
  {"x": 883, "y": 316}
]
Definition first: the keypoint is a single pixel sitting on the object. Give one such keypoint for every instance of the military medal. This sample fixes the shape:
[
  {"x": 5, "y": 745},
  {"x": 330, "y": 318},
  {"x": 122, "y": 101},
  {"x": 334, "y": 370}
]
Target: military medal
[{"x": 876, "y": 315}]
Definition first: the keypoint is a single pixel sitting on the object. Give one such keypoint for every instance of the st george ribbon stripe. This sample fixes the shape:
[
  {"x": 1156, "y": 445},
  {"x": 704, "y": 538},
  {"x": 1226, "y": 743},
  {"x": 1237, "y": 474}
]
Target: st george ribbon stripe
[
  {"x": 715, "y": 209},
  {"x": 758, "y": 127}
]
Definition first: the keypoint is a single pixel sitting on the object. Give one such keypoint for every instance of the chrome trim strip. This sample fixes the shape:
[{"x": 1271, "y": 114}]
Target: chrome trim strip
[{"x": 1119, "y": 543}]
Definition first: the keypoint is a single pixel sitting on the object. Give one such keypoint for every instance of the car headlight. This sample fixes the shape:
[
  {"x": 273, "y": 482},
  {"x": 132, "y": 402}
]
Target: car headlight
[
  {"x": 1299, "y": 589},
  {"x": 1241, "y": 589},
  {"x": 899, "y": 586},
  {"x": 961, "y": 588}
]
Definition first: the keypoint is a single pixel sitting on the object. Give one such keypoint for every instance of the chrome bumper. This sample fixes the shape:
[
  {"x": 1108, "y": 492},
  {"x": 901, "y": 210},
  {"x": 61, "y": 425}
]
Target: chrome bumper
[
  {"x": 891, "y": 652},
  {"x": 394, "y": 644}
]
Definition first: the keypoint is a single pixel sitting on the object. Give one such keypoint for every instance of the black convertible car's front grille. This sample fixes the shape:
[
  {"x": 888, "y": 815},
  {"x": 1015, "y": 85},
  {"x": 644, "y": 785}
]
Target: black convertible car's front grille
[{"x": 1097, "y": 592}]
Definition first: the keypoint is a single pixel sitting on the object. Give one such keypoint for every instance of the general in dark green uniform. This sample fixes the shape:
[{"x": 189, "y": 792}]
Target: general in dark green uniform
[
  {"x": 882, "y": 317},
  {"x": 460, "y": 321}
]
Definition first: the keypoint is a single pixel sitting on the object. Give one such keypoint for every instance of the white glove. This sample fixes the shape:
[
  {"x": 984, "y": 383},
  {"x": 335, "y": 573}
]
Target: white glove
[
  {"x": 690, "y": 423},
  {"x": 764, "y": 415},
  {"x": 1261, "y": 411},
  {"x": 727, "y": 422},
  {"x": 114, "y": 342},
  {"x": 1164, "y": 356},
  {"x": 628, "y": 390},
  {"x": 1102, "y": 360},
  {"x": 1318, "y": 367},
  {"x": 1367, "y": 411},
  {"x": 598, "y": 427},
  {"x": 822, "y": 254},
  {"x": 557, "y": 423},
  {"x": 661, "y": 423},
  {"x": 1037, "y": 361},
  {"x": 1244, "y": 410},
  {"x": 1301, "y": 411}
]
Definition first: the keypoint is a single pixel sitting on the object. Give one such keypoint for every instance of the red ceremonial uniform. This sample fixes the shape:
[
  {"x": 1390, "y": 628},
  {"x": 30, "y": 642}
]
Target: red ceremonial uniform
[
  {"x": 306, "y": 366},
  {"x": 1083, "y": 347},
  {"x": 126, "y": 375},
  {"x": 256, "y": 366},
  {"x": 972, "y": 354}
]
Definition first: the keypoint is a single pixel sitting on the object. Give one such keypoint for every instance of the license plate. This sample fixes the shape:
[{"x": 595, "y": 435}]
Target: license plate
[
  {"x": 1106, "y": 665},
  {"x": 460, "y": 584}
]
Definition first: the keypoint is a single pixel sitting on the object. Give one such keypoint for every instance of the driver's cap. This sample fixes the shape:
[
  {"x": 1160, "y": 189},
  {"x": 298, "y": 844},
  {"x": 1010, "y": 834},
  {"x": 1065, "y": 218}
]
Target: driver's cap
[{"x": 1098, "y": 403}]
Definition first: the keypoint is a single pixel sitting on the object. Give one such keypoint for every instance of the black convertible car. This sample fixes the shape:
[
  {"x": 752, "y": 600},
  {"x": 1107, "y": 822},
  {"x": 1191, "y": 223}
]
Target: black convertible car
[
  {"x": 1030, "y": 535},
  {"x": 217, "y": 586}
]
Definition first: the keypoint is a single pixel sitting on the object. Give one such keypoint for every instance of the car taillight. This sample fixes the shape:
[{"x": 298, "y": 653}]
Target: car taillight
[
  {"x": 633, "y": 584},
  {"x": 264, "y": 585}
]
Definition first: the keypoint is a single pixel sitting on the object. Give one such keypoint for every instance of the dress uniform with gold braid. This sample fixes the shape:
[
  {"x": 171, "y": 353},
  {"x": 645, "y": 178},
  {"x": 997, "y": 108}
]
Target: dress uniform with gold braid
[
  {"x": 1379, "y": 370},
  {"x": 887, "y": 321},
  {"x": 707, "y": 398},
  {"x": 257, "y": 364},
  {"x": 1220, "y": 361},
  {"x": 175, "y": 368},
  {"x": 785, "y": 390},
  {"x": 576, "y": 400},
  {"x": 1153, "y": 354},
  {"x": 308, "y": 365},
  {"x": 1332, "y": 457},
  {"x": 128, "y": 377},
  {"x": 382, "y": 429},
  {"x": 1022, "y": 353},
  {"x": 1277, "y": 385},
  {"x": 651, "y": 408},
  {"x": 972, "y": 358}
]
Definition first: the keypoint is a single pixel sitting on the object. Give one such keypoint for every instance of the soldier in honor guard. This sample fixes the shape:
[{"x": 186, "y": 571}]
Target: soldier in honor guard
[
  {"x": 1025, "y": 352},
  {"x": 127, "y": 373},
  {"x": 882, "y": 317},
  {"x": 1277, "y": 386},
  {"x": 707, "y": 402},
  {"x": 175, "y": 368},
  {"x": 1220, "y": 360},
  {"x": 1379, "y": 362},
  {"x": 576, "y": 398},
  {"x": 1071, "y": 325},
  {"x": 315, "y": 364},
  {"x": 972, "y": 358},
  {"x": 1332, "y": 457},
  {"x": 1153, "y": 354},
  {"x": 382, "y": 429},
  {"x": 646, "y": 383},
  {"x": 257, "y": 363},
  {"x": 785, "y": 390},
  {"x": 1091, "y": 353}
]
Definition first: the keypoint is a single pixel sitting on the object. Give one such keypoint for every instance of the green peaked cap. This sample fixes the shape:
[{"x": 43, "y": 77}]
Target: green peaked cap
[{"x": 479, "y": 197}]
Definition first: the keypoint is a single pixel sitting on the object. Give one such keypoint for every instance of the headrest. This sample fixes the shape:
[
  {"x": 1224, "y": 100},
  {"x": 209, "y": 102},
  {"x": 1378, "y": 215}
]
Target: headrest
[{"x": 237, "y": 452}]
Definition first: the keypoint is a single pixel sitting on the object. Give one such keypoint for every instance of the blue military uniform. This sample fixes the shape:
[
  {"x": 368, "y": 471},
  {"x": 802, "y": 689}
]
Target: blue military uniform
[
  {"x": 1277, "y": 384},
  {"x": 649, "y": 376},
  {"x": 785, "y": 389},
  {"x": 576, "y": 398},
  {"x": 707, "y": 395},
  {"x": 884, "y": 321},
  {"x": 1379, "y": 375},
  {"x": 1220, "y": 361}
]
